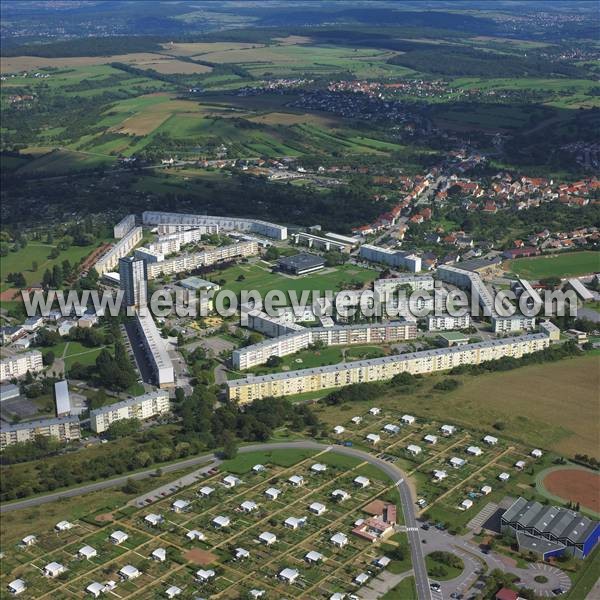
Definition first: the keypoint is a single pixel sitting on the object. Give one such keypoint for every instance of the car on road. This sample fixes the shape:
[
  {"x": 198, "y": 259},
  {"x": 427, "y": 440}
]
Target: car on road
[
  {"x": 425, "y": 526},
  {"x": 558, "y": 591},
  {"x": 436, "y": 587}
]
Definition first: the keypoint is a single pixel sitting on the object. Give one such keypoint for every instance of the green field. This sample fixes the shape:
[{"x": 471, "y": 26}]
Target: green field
[
  {"x": 21, "y": 261},
  {"x": 571, "y": 264},
  {"x": 243, "y": 463},
  {"x": 528, "y": 401},
  {"x": 405, "y": 590},
  {"x": 258, "y": 277}
]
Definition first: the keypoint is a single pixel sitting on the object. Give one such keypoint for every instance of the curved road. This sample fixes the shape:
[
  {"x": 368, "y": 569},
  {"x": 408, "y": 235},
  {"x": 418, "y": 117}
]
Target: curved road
[{"x": 393, "y": 472}]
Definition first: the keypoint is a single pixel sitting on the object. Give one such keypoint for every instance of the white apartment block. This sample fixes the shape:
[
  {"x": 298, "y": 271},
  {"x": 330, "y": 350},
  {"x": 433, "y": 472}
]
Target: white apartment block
[
  {"x": 448, "y": 322},
  {"x": 414, "y": 282},
  {"x": 512, "y": 324},
  {"x": 321, "y": 243},
  {"x": 187, "y": 236},
  {"x": 381, "y": 369},
  {"x": 156, "y": 351},
  {"x": 149, "y": 254},
  {"x": 165, "y": 245},
  {"x": 189, "y": 262},
  {"x": 393, "y": 258},
  {"x": 18, "y": 365},
  {"x": 272, "y": 326},
  {"x": 124, "y": 226},
  {"x": 109, "y": 260},
  {"x": 64, "y": 429},
  {"x": 338, "y": 335},
  {"x": 272, "y": 230},
  {"x": 141, "y": 407}
]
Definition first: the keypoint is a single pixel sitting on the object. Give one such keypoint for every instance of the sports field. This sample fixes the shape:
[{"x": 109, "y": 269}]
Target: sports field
[
  {"x": 571, "y": 264},
  {"x": 575, "y": 485}
]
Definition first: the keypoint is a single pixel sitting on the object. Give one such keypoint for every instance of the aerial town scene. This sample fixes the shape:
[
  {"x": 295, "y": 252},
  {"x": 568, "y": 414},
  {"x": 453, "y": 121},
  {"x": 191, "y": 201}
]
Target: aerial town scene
[{"x": 300, "y": 300}]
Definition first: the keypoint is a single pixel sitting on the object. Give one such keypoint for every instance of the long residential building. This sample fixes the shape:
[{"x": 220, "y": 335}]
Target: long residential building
[
  {"x": 156, "y": 351},
  {"x": 338, "y": 335},
  {"x": 272, "y": 230},
  {"x": 322, "y": 243},
  {"x": 124, "y": 226},
  {"x": 109, "y": 260},
  {"x": 271, "y": 326},
  {"x": 379, "y": 369},
  {"x": 472, "y": 282},
  {"x": 189, "y": 262},
  {"x": 393, "y": 258},
  {"x": 141, "y": 407},
  {"x": 186, "y": 236},
  {"x": 17, "y": 365},
  {"x": 64, "y": 429}
]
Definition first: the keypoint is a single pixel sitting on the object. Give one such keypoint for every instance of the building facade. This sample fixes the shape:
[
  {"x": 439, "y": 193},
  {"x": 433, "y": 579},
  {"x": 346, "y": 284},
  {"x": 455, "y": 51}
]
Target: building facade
[
  {"x": 393, "y": 258},
  {"x": 16, "y": 366},
  {"x": 141, "y": 407},
  {"x": 156, "y": 351},
  {"x": 64, "y": 429},
  {"x": 124, "y": 226},
  {"x": 381, "y": 369},
  {"x": 133, "y": 280},
  {"x": 109, "y": 260},
  {"x": 338, "y": 335}
]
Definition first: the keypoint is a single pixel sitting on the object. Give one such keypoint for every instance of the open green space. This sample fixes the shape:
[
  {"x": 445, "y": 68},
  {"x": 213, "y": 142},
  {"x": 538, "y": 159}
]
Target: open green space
[
  {"x": 528, "y": 403},
  {"x": 260, "y": 278},
  {"x": 570, "y": 264},
  {"x": 438, "y": 566},
  {"x": 243, "y": 463},
  {"x": 405, "y": 590}
]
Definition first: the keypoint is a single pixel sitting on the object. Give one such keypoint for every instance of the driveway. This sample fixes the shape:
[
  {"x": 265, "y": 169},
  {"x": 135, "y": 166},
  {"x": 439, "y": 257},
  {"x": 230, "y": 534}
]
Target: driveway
[{"x": 471, "y": 554}]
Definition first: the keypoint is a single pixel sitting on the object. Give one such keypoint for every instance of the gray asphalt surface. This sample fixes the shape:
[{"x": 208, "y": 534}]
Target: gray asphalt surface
[{"x": 395, "y": 474}]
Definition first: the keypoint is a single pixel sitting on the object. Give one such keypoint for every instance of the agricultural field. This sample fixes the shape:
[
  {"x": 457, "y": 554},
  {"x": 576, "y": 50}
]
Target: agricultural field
[
  {"x": 571, "y": 264},
  {"x": 258, "y": 276},
  {"x": 232, "y": 577},
  {"x": 536, "y": 418}
]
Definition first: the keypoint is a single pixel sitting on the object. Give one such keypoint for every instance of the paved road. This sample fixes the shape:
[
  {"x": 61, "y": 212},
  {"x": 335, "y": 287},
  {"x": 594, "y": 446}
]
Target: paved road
[{"x": 393, "y": 472}]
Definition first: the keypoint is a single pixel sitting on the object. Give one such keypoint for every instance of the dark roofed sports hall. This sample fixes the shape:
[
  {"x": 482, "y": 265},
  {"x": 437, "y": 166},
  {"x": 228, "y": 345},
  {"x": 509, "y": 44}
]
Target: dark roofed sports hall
[{"x": 300, "y": 264}]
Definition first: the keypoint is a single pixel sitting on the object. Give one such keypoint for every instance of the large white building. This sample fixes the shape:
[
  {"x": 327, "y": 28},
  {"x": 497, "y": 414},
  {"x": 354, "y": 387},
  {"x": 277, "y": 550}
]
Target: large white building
[
  {"x": 272, "y": 230},
  {"x": 156, "y": 351},
  {"x": 414, "y": 282},
  {"x": 473, "y": 283},
  {"x": 150, "y": 255},
  {"x": 141, "y": 407},
  {"x": 124, "y": 226},
  {"x": 109, "y": 260},
  {"x": 369, "y": 333},
  {"x": 64, "y": 429},
  {"x": 133, "y": 280},
  {"x": 448, "y": 322},
  {"x": 322, "y": 243},
  {"x": 393, "y": 258},
  {"x": 189, "y": 262},
  {"x": 17, "y": 365},
  {"x": 380, "y": 369}
]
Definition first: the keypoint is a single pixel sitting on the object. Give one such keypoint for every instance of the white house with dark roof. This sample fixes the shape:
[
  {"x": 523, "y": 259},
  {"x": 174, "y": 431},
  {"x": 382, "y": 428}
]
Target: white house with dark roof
[
  {"x": 129, "y": 572},
  {"x": 230, "y": 481},
  {"x": 248, "y": 506},
  {"x": 318, "y": 468},
  {"x": 296, "y": 480},
  {"x": 173, "y": 591},
  {"x": 430, "y": 439},
  {"x": 221, "y": 521},
  {"x": 391, "y": 429},
  {"x": 288, "y": 575},
  {"x": 313, "y": 557},
  {"x": 29, "y": 540},
  {"x": 361, "y": 481},
  {"x": 340, "y": 495},
  {"x": 413, "y": 449},
  {"x": 54, "y": 569},
  {"x": 180, "y": 506},
  {"x": 448, "y": 430},
  {"x": 63, "y": 526},
  {"x": 373, "y": 438},
  {"x": 490, "y": 440},
  {"x": 204, "y": 575},
  {"x": 338, "y": 430},
  {"x": 195, "y": 535},
  {"x": 408, "y": 419},
  {"x": 474, "y": 451},
  {"x": 118, "y": 537},
  {"x": 153, "y": 519},
  {"x": 159, "y": 555},
  {"x": 241, "y": 554},
  {"x": 317, "y": 508},
  {"x": 339, "y": 539},
  {"x": 457, "y": 462}
]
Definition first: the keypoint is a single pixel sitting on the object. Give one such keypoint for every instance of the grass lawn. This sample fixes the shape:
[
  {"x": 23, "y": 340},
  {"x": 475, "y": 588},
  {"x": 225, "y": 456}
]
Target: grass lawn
[
  {"x": 556, "y": 265},
  {"x": 259, "y": 277},
  {"x": 243, "y": 463},
  {"x": 435, "y": 568},
  {"x": 405, "y": 590},
  {"x": 586, "y": 578}
]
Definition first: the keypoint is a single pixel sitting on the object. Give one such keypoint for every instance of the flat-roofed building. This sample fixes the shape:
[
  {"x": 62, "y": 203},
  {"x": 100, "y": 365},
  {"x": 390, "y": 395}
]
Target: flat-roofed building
[
  {"x": 110, "y": 259},
  {"x": 124, "y": 226},
  {"x": 195, "y": 260},
  {"x": 381, "y": 369},
  {"x": 272, "y": 230},
  {"x": 337, "y": 335},
  {"x": 448, "y": 322},
  {"x": 64, "y": 429},
  {"x": 551, "y": 330},
  {"x": 17, "y": 365},
  {"x": 301, "y": 264},
  {"x": 62, "y": 398},
  {"x": 156, "y": 351},
  {"x": 393, "y": 258},
  {"x": 321, "y": 243},
  {"x": 141, "y": 407}
]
